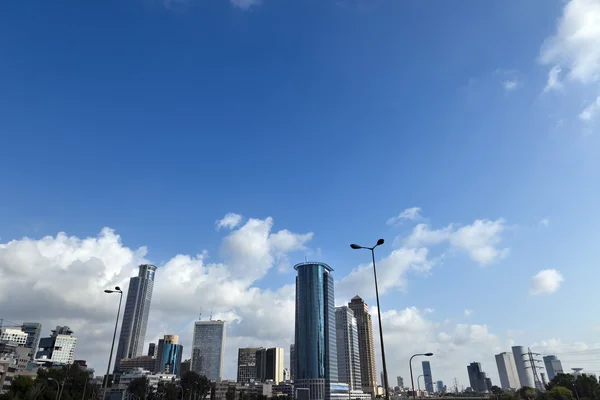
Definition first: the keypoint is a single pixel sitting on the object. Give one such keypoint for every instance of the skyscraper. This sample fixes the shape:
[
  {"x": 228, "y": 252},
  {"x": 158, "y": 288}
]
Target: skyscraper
[
  {"x": 315, "y": 338},
  {"x": 152, "y": 349},
  {"x": 478, "y": 379},
  {"x": 269, "y": 365},
  {"x": 292, "y": 361},
  {"x": 366, "y": 345},
  {"x": 553, "y": 366},
  {"x": 400, "y": 382},
  {"x": 135, "y": 315},
  {"x": 525, "y": 374},
  {"x": 168, "y": 355},
  {"x": 246, "y": 367},
  {"x": 59, "y": 347},
  {"x": 507, "y": 370},
  {"x": 348, "y": 358},
  {"x": 34, "y": 332},
  {"x": 427, "y": 376},
  {"x": 440, "y": 386},
  {"x": 208, "y": 348}
]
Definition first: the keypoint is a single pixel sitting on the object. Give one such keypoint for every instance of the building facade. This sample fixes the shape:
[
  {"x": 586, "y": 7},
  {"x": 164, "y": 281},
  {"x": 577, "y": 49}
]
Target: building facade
[
  {"x": 315, "y": 336},
  {"x": 208, "y": 347},
  {"x": 366, "y": 344},
  {"x": 168, "y": 355},
  {"x": 521, "y": 361},
  {"x": 400, "y": 382},
  {"x": 152, "y": 349},
  {"x": 478, "y": 379},
  {"x": 439, "y": 386},
  {"x": 14, "y": 335},
  {"x": 553, "y": 366},
  {"x": 507, "y": 370},
  {"x": 292, "y": 360},
  {"x": 246, "y": 367},
  {"x": 269, "y": 365},
  {"x": 146, "y": 363},
  {"x": 348, "y": 358},
  {"x": 135, "y": 315},
  {"x": 59, "y": 347},
  {"x": 34, "y": 332},
  {"x": 427, "y": 376}
]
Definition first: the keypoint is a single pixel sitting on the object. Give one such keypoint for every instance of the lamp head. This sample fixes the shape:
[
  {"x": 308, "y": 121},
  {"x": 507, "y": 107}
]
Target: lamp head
[
  {"x": 428, "y": 354},
  {"x": 108, "y": 291},
  {"x": 118, "y": 289},
  {"x": 380, "y": 242},
  {"x": 355, "y": 246}
]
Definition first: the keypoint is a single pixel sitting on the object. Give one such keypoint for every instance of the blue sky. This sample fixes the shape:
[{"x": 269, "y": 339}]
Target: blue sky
[{"x": 157, "y": 119}]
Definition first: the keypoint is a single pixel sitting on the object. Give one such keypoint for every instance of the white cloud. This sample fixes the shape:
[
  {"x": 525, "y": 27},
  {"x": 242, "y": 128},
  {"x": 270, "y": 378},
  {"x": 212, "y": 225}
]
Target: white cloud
[
  {"x": 229, "y": 221},
  {"x": 510, "y": 84},
  {"x": 245, "y": 4},
  {"x": 576, "y": 44},
  {"x": 411, "y": 214},
  {"x": 468, "y": 313},
  {"x": 545, "y": 222},
  {"x": 545, "y": 281},
  {"x": 591, "y": 111},
  {"x": 554, "y": 82},
  {"x": 480, "y": 239}
]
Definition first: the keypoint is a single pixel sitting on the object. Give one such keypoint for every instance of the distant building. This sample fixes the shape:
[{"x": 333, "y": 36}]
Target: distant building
[
  {"x": 146, "y": 363},
  {"x": 400, "y": 382},
  {"x": 186, "y": 366},
  {"x": 14, "y": 335},
  {"x": 366, "y": 344},
  {"x": 553, "y": 366},
  {"x": 168, "y": 355},
  {"x": 292, "y": 360},
  {"x": 135, "y": 315},
  {"x": 34, "y": 332},
  {"x": 427, "y": 376},
  {"x": 507, "y": 370},
  {"x": 478, "y": 379},
  {"x": 208, "y": 348},
  {"x": 269, "y": 365},
  {"x": 152, "y": 349},
  {"x": 348, "y": 358},
  {"x": 59, "y": 347},
  {"x": 14, "y": 361},
  {"x": 523, "y": 369},
  {"x": 246, "y": 367},
  {"x": 439, "y": 386},
  {"x": 283, "y": 389}
]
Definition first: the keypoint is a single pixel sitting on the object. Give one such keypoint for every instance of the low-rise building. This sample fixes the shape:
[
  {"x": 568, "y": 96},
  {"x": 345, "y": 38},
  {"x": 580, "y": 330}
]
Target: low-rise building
[
  {"x": 14, "y": 361},
  {"x": 146, "y": 363},
  {"x": 14, "y": 335}
]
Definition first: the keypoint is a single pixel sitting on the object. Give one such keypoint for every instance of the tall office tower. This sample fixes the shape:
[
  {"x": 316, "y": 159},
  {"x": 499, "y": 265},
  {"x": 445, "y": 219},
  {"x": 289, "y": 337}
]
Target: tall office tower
[
  {"x": 135, "y": 316},
  {"x": 34, "y": 332},
  {"x": 509, "y": 377},
  {"x": 59, "y": 347},
  {"x": 553, "y": 366},
  {"x": 366, "y": 345},
  {"x": 315, "y": 338},
  {"x": 348, "y": 358},
  {"x": 269, "y": 365},
  {"x": 292, "y": 361},
  {"x": 400, "y": 382},
  {"x": 152, "y": 349},
  {"x": 427, "y": 376},
  {"x": 168, "y": 355},
  {"x": 208, "y": 347},
  {"x": 246, "y": 368},
  {"x": 478, "y": 379},
  {"x": 521, "y": 361},
  {"x": 440, "y": 386}
]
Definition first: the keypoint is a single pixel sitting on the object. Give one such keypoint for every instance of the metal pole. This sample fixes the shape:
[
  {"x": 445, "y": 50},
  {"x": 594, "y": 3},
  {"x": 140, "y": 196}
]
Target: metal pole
[
  {"x": 112, "y": 347},
  {"x": 385, "y": 377},
  {"x": 412, "y": 382}
]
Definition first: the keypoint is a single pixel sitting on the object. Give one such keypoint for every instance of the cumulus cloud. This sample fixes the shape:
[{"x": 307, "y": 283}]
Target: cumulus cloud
[
  {"x": 480, "y": 239},
  {"x": 575, "y": 47},
  {"x": 411, "y": 214},
  {"x": 591, "y": 111},
  {"x": 545, "y": 281},
  {"x": 468, "y": 313},
  {"x": 510, "y": 84},
  {"x": 229, "y": 221},
  {"x": 554, "y": 82}
]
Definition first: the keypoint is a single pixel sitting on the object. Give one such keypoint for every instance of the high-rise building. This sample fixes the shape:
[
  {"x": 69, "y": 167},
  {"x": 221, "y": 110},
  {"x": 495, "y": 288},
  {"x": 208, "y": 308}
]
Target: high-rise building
[
  {"x": 152, "y": 349},
  {"x": 478, "y": 379},
  {"x": 521, "y": 361},
  {"x": 208, "y": 347},
  {"x": 400, "y": 382},
  {"x": 315, "y": 338},
  {"x": 168, "y": 355},
  {"x": 34, "y": 332},
  {"x": 292, "y": 361},
  {"x": 439, "y": 386},
  {"x": 553, "y": 366},
  {"x": 269, "y": 365},
  {"x": 427, "y": 376},
  {"x": 135, "y": 315},
  {"x": 348, "y": 358},
  {"x": 14, "y": 335},
  {"x": 246, "y": 368},
  {"x": 366, "y": 345},
  {"x": 507, "y": 370},
  {"x": 59, "y": 347},
  {"x": 186, "y": 366}
]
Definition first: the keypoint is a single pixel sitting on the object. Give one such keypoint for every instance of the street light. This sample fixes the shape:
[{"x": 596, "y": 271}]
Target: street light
[
  {"x": 112, "y": 347},
  {"x": 412, "y": 382},
  {"x": 385, "y": 375},
  {"x": 57, "y": 386}
]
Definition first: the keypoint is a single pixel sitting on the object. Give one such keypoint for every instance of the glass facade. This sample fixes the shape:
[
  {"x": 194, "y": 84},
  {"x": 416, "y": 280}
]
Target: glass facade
[
  {"x": 315, "y": 336},
  {"x": 427, "y": 376},
  {"x": 170, "y": 358},
  {"x": 208, "y": 348}
]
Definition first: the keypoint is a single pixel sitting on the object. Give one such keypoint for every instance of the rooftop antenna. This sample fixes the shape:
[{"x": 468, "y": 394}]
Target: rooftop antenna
[{"x": 200, "y": 315}]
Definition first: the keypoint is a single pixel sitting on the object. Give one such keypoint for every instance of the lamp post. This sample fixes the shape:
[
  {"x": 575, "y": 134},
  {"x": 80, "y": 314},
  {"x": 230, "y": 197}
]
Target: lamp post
[
  {"x": 412, "y": 382},
  {"x": 385, "y": 375},
  {"x": 112, "y": 347},
  {"x": 57, "y": 387}
]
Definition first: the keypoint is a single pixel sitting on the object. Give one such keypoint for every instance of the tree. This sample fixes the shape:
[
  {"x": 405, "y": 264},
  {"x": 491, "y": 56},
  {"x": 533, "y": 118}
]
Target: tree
[
  {"x": 497, "y": 390},
  {"x": 138, "y": 387},
  {"x": 559, "y": 393},
  {"x": 194, "y": 385},
  {"x": 526, "y": 393},
  {"x": 167, "y": 391},
  {"x": 230, "y": 395}
]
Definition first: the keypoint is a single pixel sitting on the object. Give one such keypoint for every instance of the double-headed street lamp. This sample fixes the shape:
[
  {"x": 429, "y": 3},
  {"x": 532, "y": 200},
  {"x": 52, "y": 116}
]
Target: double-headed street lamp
[
  {"x": 112, "y": 347},
  {"x": 412, "y": 382},
  {"x": 385, "y": 376}
]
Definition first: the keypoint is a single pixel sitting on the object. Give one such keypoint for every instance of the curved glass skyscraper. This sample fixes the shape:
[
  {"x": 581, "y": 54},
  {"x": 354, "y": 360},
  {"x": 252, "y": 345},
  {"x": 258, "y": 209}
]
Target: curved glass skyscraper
[{"x": 315, "y": 343}]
